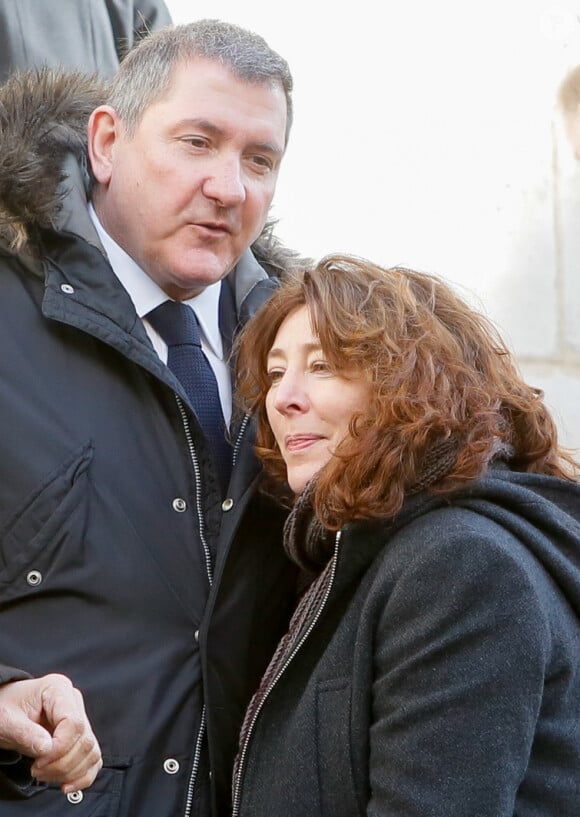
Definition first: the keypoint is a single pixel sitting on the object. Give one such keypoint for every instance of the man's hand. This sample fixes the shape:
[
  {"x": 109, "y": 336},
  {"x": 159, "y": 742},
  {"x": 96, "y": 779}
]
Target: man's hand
[{"x": 45, "y": 719}]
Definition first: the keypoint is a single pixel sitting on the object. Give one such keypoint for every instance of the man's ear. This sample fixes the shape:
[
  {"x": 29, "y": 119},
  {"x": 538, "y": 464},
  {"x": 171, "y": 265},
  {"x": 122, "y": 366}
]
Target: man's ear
[{"x": 102, "y": 131}]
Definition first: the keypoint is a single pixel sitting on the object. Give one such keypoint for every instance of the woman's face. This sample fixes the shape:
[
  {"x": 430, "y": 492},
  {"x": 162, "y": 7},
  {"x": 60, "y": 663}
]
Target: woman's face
[{"x": 309, "y": 406}]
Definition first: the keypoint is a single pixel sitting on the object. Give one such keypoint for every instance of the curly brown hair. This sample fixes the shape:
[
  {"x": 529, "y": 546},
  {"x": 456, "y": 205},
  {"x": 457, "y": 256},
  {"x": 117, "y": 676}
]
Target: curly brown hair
[{"x": 439, "y": 371}]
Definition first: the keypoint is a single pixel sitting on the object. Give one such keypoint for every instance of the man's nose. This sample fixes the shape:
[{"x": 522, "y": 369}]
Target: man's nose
[{"x": 224, "y": 184}]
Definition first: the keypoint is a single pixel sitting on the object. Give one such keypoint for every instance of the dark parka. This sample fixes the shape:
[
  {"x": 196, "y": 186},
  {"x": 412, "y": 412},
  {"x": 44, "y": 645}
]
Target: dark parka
[
  {"x": 119, "y": 565},
  {"x": 440, "y": 676}
]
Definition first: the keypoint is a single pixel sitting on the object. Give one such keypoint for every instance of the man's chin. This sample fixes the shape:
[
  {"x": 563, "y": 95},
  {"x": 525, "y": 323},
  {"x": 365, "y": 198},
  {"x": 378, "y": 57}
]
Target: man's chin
[{"x": 189, "y": 282}]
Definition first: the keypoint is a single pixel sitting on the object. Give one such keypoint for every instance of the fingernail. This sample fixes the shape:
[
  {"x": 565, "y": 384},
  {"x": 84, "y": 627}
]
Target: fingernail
[{"x": 41, "y": 746}]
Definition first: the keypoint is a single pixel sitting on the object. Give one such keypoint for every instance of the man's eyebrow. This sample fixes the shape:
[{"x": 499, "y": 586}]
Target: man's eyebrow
[
  {"x": 204, "y": 124},
  {"x": 210, "y": 127},
  {"x": 268, "y": 147}
]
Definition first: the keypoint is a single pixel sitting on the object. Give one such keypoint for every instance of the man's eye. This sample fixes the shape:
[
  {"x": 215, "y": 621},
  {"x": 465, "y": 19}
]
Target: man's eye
[
  {"x": 320, "y": 367},
  {"x": 196, "y": 141},
  {"x": 262, "y": 163}
]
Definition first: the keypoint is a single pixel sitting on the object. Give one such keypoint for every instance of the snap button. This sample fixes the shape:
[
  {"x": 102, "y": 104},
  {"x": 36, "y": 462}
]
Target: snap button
[
  {"x": 34, "y": 577},
  {"x": 171, "y": 766},
  {"x": 227, "y": 504},
  {"x": 75, "y": 797},
  {"x": 179, "y": 505},
  {"x": 68, "y": 290},
  {"x": 196, "y": 635}
]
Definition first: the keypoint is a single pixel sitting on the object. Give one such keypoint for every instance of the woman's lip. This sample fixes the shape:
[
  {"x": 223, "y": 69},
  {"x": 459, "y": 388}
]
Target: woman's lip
[{"x": 297, "y": 442}]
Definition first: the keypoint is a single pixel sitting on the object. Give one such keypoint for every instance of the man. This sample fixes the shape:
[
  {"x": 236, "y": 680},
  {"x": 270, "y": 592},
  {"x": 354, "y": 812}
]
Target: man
[
  {"x": 88, "y": 35},
  {"x": 140, "y": 599}
]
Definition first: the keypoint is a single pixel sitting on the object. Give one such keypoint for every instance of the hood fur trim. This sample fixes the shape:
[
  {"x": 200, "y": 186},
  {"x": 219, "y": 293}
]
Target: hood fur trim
[
  {"x": 274, "y": 256},
  {"x": 43, "y": 117}
]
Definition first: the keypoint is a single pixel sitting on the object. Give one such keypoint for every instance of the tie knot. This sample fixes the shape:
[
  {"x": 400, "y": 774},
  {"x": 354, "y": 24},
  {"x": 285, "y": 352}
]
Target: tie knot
[{"x": 176, "y": 323}]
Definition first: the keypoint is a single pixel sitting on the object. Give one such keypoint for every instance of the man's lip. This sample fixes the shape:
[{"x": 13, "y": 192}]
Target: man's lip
[{"x": 214, "y": 226}]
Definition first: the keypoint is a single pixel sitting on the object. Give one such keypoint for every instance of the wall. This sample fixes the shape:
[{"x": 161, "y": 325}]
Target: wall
[{"x": 426, "y": 134}]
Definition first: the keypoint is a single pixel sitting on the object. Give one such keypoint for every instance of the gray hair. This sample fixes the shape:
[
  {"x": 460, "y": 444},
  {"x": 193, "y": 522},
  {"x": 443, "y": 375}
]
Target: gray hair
[{"x": 145, "y": 73}]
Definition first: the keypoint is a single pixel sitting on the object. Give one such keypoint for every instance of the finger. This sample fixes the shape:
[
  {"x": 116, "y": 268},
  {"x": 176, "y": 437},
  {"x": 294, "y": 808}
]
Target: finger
[
  {"x": 75, "y": 757},
  {"x": 84, "y": 781},
  {"x": 19, "y": 733},
  {"x": 75, "y": 752},
  {"x": 65, "y": 714},
  {"x": 61, "y": 701},
  {"x": 70, "y": 755},
  {"x": 82, "y": 755},
  {"x": 69, "y": 750}
]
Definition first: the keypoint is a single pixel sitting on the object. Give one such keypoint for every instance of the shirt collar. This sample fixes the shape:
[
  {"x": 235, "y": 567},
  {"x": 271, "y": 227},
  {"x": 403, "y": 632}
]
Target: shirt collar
[{"x": 146, "y": 294}]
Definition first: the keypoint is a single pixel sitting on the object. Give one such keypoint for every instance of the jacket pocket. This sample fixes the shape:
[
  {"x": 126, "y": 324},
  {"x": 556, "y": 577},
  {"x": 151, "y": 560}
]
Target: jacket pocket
[
  {"x": 46, "y": 519},
  {"x": 335, "y": 775},
  {"x": 102, "y": 799}
]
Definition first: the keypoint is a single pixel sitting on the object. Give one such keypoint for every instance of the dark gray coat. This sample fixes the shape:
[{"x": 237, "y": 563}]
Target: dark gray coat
[
  {"x": 86, "y": 35},
  {"x": 119, "y": 565},
  {"x": 442, "y": 676}
]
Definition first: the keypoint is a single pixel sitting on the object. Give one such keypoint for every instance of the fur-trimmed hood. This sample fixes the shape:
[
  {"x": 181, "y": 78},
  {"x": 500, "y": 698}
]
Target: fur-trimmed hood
[
  {"x": 44, "y": 170},
  {"x": 43, "y": 121}
]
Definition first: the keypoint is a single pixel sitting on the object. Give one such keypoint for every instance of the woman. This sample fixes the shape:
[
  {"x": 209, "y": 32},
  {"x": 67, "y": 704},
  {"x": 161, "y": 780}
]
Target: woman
[{"x": 432, "y": 666}]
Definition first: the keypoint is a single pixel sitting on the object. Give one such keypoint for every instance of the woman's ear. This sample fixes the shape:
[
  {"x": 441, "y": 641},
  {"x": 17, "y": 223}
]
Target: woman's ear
[{"x": 102, "y": 132}]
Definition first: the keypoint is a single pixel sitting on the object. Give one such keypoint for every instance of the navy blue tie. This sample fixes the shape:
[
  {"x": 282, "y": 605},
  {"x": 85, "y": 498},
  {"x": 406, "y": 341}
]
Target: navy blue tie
[{"x": 177, "y": 325}]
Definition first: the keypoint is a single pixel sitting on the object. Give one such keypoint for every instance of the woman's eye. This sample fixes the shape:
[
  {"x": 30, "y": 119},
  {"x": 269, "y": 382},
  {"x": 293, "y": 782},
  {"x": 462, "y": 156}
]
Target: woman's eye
[
  {"x": 274, "y": 375},
  {"x": 320, "y": 367}
]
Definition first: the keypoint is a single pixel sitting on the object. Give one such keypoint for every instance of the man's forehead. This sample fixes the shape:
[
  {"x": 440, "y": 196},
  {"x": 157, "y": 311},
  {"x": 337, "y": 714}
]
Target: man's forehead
[{"x": 207, "y": 93}]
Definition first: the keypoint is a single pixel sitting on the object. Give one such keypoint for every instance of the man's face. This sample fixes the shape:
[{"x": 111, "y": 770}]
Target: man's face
[{"x": 190, "y": 190}]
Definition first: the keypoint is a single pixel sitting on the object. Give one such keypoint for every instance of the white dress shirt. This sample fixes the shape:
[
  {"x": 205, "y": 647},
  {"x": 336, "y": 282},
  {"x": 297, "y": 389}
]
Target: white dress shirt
[{"x": 146, "y": 295}]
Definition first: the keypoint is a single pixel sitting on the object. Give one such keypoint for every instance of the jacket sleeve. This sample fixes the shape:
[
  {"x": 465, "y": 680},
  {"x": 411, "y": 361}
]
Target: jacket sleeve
[
  {"x": 8, "y": 674},
  {"x": 14, "y": 769},
  {"x": 131, "y": 20},
  {"x": 460, "y": 658},
  {"x": 149, "y": 15}
]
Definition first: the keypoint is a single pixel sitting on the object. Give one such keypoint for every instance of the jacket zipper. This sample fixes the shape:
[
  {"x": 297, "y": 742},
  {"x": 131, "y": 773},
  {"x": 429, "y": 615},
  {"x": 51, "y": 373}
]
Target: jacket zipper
[
  {"x": 243, "y": 426},
  {"x": 237, "y": 787},
  {"x": 197, "y": 472},
  {"x": 195, "y": 766},
  {"x": 209, "y": 570}
]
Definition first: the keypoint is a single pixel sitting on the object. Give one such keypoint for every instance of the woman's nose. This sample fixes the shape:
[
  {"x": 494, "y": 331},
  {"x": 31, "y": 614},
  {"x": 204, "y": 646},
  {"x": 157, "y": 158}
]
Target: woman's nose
[{"x": 291, "y": 394}]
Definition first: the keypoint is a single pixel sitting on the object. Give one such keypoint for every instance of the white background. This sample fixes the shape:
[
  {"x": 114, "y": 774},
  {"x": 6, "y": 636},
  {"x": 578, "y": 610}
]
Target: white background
[{"x": 425, "y": 134}]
